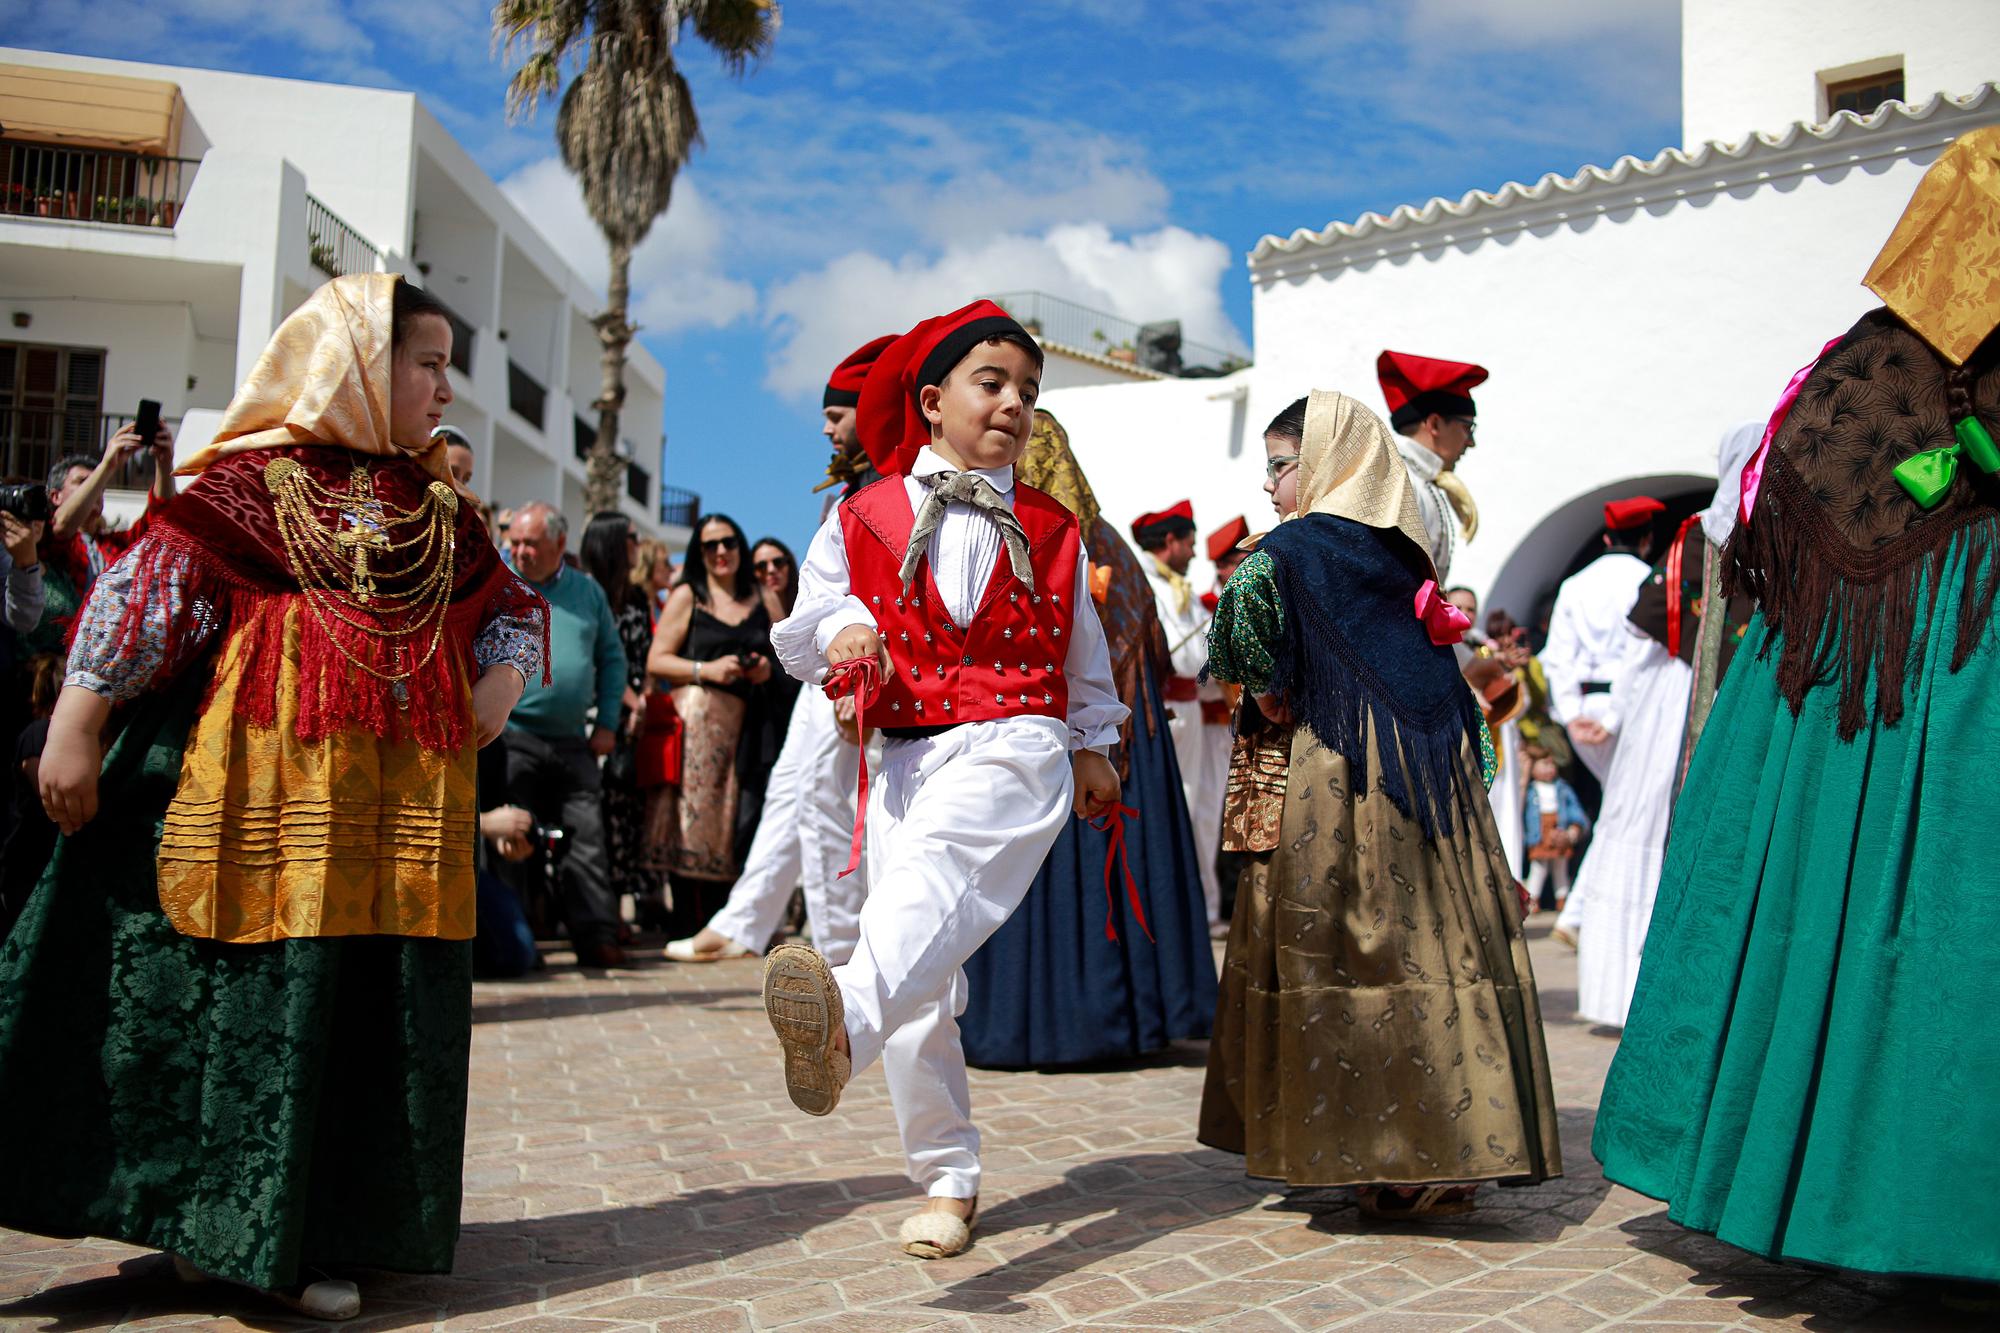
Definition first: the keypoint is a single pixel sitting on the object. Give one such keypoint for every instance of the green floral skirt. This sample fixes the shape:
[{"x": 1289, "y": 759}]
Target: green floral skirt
[
  {"x": 254, "y": 1108},
  {"x": 1811, "y": 1070}
]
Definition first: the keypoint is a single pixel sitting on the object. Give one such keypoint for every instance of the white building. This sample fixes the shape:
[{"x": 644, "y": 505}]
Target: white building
[
  {"x": 158, "y": 223},
  {"x": 1629, "y": 315}
]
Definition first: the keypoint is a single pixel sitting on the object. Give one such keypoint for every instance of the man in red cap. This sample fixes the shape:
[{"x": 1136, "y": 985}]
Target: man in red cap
[
  {"x": 802, "y": 838},
  {"x": 997, "y": 710},
  {"x": 1432, "y": 413},
  {"x": 1167, "y": 538},
  {"x": 1590, "y": 645}
]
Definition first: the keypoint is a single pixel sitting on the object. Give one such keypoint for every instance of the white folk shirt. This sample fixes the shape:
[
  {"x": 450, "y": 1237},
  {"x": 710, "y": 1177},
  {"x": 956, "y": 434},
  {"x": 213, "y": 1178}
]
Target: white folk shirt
[
  {"x": 1424, "y": 467},
  {"x": 962, "y": 554},
  {"x": 1589, "y": 637},
  {"x": 1186, "y": 627}
]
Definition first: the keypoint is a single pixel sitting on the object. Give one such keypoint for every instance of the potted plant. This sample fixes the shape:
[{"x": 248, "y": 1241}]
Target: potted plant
[
  {"x": 1124, "y": 352},
  {"x": 1032, "y": 326}
]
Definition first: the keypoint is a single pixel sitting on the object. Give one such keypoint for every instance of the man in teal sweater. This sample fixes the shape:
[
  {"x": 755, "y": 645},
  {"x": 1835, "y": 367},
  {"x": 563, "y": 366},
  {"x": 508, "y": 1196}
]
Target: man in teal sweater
[{"x": 552, "y": 768}]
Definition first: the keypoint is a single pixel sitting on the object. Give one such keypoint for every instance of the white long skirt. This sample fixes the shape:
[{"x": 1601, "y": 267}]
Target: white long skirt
[{"x": 1621, "y": 874}]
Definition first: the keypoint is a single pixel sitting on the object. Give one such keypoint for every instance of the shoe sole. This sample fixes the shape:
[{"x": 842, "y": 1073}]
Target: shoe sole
[{"x": 804, "y": 1006}]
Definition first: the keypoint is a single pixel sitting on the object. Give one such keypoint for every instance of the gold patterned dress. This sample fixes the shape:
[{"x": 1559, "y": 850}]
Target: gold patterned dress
[{"x": 1378, "y": 1022}]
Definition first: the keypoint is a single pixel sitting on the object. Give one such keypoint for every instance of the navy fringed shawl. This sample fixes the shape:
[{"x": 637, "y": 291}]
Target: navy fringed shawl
[{"x": 1354, "y": 660}]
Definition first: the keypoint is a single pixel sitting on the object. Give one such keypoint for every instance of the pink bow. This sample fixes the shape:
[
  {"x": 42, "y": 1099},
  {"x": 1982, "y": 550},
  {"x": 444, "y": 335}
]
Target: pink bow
[{"x": 1445, "y": 623}]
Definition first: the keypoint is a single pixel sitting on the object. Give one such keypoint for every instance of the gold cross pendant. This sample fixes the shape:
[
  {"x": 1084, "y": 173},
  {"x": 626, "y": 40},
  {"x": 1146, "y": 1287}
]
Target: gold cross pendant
[{"x": 363, "y": 535}]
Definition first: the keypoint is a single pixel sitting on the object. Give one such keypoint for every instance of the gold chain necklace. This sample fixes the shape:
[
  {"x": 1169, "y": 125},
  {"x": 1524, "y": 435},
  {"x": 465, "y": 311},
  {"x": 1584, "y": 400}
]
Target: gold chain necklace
[{"x": 324, "y": 558}]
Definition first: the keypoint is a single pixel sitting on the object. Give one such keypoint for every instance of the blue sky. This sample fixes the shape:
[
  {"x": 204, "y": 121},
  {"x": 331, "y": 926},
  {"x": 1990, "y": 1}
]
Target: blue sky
[{"x": 889, "y": 160}]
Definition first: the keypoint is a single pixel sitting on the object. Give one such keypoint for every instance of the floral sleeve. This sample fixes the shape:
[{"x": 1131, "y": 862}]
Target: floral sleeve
[
  {"x": 1249, "y": 621},
  {"x": 514, "y": 640},
  {"x": 172, "y": 610}
]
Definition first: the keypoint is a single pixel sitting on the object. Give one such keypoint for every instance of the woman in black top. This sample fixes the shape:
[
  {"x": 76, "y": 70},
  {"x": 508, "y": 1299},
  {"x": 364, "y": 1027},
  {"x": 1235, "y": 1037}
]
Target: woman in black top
[{"x": 713, "y": 649}]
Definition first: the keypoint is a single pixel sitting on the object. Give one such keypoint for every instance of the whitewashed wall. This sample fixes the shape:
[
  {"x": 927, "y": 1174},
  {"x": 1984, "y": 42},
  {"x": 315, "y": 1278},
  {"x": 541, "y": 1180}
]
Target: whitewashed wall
[{"x": 1753, "y": 64}]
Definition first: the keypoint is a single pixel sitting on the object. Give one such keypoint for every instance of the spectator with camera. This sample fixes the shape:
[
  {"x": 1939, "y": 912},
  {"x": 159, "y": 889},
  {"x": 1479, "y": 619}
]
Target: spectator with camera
[
  {"x": 561, "y": 730},
  {"x": 76, "y": 494},
  {"x": 20, "y": 558},
  {"x": 712, "y": 648}
]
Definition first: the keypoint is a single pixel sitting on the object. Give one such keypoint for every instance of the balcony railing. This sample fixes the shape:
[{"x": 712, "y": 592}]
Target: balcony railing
[
  {"x": 526, "y": 396},
  {"x": 93, "y": 185},
  {"x": 678, "y": 508},
  {"x": 336, "y": 248},
  {"x": 32, "y": 439},
  {"x": 1158, "y": 347}
]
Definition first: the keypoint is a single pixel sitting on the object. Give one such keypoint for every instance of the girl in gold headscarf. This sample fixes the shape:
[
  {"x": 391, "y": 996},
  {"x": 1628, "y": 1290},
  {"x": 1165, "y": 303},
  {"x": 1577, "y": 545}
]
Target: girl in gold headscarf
[
  {"x": 1378, "y": 1025},
  {"x": 235, "y": 1015}
]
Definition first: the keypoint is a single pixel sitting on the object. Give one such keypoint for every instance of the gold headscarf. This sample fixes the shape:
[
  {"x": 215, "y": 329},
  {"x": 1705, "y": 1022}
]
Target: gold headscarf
[
  {"x": 1049, "y": 466},
  {"x": 1940, "y": 271},
  {"x": 1349, "y": 467},
  {"x": 323, "y": 379}
]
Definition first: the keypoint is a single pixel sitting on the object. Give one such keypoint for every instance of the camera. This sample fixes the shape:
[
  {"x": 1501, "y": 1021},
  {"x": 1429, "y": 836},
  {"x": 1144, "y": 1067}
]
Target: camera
[{"x": 27, "y": 501}]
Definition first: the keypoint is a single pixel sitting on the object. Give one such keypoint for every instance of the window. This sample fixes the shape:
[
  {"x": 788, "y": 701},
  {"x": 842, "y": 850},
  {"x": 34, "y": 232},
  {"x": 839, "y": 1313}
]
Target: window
[
  {"x": 1863, "y": 94},
  {"x": 51, "y": 404}
]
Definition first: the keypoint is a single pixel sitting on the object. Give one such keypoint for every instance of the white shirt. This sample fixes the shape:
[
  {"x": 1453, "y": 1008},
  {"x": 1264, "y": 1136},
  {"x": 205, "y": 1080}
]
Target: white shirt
[
  {"x": 1424, "y": 467},
  {"x": 962, "y": 554},
  {"x": 1186, "y": 630},
  {"x": 1589, "y": 636}
]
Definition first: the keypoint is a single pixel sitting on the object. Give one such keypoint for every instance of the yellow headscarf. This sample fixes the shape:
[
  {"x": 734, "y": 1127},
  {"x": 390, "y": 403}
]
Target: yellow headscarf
[
  {"x": 323, "y": 379},
  {"x": 1940, "y": 271},
  {"x": 1050, "y": 467},
  {"x": 1349, "y": 467}
]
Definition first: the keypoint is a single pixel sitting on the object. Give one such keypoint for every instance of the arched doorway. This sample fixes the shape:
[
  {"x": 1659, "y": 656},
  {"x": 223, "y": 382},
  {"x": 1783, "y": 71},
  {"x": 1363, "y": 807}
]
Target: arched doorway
[{"x": 1567, "y": 539}]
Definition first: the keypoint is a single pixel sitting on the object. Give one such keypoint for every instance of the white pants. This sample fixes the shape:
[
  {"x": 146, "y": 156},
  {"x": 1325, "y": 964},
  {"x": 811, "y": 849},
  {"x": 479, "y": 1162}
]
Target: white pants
[
  {"x": 802, "y": 840},
  {"x": 958, "y": 827},
  {"x": 1202, "y": 749},
  {"x": 1538, "y": 873}
]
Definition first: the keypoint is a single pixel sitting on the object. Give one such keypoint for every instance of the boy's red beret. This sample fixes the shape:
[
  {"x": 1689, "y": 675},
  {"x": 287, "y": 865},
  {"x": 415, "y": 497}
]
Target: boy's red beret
[{"x": 891, "y": 426}]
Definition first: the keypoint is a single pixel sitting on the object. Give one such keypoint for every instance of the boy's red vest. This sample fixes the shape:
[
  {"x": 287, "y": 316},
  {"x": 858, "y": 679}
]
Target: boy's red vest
[{"x": 1009, "y": 661}]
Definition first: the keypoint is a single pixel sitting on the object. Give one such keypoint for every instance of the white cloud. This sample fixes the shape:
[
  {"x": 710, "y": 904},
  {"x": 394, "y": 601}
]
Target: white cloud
[
  {"x": 1523, "y": 23},
  {"x": 677, "y": 278},
  {"x": 1168, "y": 273}
]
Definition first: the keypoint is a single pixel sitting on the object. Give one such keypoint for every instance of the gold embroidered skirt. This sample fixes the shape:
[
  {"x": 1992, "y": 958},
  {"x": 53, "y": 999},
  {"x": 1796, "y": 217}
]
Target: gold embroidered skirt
[
  {"x": 271, "y": 839},
  {"x": 1378, "y": 1022}
]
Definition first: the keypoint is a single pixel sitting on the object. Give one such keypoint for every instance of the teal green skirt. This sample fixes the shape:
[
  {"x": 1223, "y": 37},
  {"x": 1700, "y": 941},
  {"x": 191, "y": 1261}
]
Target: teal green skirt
[
  {"x": 257, "y": 1109},
  {"x": 1812, "y": 1066}
]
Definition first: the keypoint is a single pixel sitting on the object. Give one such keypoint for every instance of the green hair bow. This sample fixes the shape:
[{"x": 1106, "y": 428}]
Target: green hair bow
[{"x": 1928, "y": 475}]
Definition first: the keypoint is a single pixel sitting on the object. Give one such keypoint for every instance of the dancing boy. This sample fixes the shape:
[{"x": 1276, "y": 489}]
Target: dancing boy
[{"x": 970, "y": 594}]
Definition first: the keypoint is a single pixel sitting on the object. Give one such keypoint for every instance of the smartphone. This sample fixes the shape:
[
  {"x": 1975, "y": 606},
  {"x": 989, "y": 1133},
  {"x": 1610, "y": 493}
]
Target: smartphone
[{"x": 147, "y": 423}]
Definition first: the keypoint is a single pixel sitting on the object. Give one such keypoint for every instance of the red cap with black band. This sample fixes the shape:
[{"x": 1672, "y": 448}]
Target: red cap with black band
[{"x": 889, "y": 421}]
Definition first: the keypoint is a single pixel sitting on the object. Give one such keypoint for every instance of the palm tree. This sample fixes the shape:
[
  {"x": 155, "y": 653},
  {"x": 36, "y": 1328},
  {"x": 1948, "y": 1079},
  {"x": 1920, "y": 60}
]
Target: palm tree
[{"x": 625, "y": 127}]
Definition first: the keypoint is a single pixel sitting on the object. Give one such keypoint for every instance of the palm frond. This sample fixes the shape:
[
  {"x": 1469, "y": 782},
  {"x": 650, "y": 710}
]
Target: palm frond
[{"x": 739, "y": 31}]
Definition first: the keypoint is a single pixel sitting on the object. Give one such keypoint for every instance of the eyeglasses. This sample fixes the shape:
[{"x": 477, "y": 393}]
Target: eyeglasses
[
  {"x": 720, "y": 544},
  {"x": 772, "y": 565},
  {"x": 1467, "y": 422},
  {"x": 1275, "y": 468}
]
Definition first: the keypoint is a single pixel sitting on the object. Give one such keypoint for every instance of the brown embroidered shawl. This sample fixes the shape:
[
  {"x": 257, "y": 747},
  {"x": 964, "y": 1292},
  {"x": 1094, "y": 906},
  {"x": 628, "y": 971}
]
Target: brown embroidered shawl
[{"x": 1842, "y": 562}]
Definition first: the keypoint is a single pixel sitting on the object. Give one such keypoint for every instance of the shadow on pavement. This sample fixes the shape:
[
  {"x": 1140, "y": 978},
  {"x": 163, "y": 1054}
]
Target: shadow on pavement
[
  {"x": 528, "y": 1005},
  {"x": 500, "y": 1266},
  {"x": 1823, "y": 1299}
]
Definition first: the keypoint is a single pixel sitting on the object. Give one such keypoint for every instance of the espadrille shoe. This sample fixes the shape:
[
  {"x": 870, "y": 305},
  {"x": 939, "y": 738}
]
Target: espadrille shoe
[
  {"x": 938, "y": 1232},
  {"x": 803, "y": 1004},
  {"x": 332, "y": 1299}
]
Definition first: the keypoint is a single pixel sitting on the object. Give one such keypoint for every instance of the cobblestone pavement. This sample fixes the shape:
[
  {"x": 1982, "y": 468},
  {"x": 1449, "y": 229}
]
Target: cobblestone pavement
[{"x": 632, "y": 1162}]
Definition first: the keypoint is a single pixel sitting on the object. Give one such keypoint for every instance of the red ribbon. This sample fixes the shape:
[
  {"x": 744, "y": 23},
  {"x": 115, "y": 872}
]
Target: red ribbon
[
  {"x": 862, "y": 678},
  {"x": 1112, "y": 822},
  {"x": 1675, "y": 601},
  {"x": 1445, "y": 623}
]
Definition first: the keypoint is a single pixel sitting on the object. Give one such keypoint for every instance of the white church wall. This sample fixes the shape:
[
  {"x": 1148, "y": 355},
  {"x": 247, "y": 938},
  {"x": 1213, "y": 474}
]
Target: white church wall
[
  {"x": 1755, "y": 66},
  {"x": 1145, "y": 446},
  {"x": 1621, "y": 345}
]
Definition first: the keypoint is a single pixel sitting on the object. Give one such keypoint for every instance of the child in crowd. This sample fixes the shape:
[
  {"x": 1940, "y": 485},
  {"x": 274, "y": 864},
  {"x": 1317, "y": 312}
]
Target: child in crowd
[
  {"x": 997, "y": 709},
  {"x": 1552, "y": 824}
]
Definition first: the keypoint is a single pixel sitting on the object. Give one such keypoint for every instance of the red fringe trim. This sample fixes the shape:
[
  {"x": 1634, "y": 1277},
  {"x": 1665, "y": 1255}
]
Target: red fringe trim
[{"x": 334, "y": 694}]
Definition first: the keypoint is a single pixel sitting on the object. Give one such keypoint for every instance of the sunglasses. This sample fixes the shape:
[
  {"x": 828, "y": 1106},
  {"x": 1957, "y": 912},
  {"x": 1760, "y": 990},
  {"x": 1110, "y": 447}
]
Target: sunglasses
[
  {"x": 721, "y": 544},
  {"x": 776, "y": 562},
  {"x": 1275, "y": 468}
]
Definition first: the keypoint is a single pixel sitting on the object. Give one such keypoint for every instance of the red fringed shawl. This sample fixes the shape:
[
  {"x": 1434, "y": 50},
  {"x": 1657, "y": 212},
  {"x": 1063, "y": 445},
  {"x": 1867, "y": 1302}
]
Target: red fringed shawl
[{"x": 241, "y": 583}]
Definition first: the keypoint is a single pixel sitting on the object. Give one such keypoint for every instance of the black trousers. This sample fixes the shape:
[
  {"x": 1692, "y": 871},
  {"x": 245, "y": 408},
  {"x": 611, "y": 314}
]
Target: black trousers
[{"x": 557, "y": 781}]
